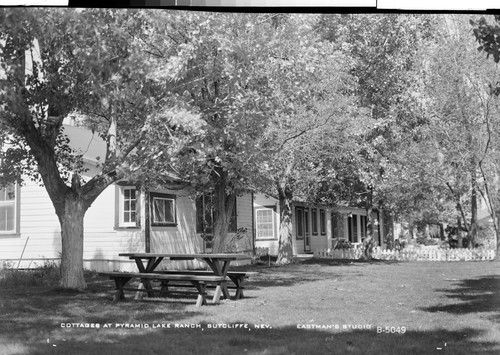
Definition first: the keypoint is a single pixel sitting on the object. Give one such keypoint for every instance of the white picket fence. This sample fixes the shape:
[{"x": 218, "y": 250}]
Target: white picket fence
[{"x": 411, "y": 254}]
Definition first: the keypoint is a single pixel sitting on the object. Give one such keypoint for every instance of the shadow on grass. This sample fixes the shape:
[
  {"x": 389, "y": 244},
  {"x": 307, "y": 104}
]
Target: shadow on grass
[
  {"x": 347, "y": 262},
  {"x": 479, "y": 295},
  {"x": 285, "y": 340}
]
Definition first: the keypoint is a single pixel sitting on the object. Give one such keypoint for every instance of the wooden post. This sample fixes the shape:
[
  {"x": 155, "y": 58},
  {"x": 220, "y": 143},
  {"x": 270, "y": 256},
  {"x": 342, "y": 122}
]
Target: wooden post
[{"x": 147, "y": 224}]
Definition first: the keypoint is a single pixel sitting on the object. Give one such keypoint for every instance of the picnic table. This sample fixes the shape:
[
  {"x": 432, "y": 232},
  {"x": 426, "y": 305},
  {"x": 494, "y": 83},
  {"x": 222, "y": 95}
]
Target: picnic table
[{"x": 217, "y": 274}]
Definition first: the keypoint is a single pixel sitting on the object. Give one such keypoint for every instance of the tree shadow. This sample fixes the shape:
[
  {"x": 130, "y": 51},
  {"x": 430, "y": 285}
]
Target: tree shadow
[
  {"x": 347, "y": 262},
  {"x": 479, "y": 295},
  {"x": 283, "y": 340}
]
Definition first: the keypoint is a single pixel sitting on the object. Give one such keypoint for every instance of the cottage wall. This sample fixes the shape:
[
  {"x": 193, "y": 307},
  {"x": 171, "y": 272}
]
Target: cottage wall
[
  {"x": 182, "y": 238},
  {"x": 39, "y": 232},
  {"x": 261, "y": 200},
  {"x": 244, "y": 222}
]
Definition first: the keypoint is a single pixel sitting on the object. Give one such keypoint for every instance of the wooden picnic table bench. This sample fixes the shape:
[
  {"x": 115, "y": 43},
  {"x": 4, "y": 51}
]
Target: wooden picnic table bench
[
  {"x": 218, "y": 264},
  {"x": 237, "y": 277},
  {"x": 199, "y": 281}
]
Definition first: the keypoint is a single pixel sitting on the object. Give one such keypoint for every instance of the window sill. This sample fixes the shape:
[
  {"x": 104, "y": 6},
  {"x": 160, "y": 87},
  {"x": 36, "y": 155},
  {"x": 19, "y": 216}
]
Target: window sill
[
  {"x": 164, "y": 225},
  {"x": 10, "y": 235},
  {"x": 121, "y": 228}
]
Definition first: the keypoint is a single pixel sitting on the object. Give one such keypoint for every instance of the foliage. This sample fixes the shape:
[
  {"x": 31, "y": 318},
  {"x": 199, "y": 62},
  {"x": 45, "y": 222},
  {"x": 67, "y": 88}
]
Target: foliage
[
  {"x": 53, "y": 66},
  {"x": 488, "y": 35},
  {"x": 384, "y": 51},
  {"x": 344, "y": 244},
  {"x": 46, "y": 275}
]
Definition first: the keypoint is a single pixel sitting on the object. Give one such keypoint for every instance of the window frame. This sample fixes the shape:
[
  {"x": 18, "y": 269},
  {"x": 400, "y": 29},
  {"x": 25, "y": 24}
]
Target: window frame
[
  {"x": 120, "y": 208},
  {"x": 163, "y": 196},
  {"x": 299, "y": 223},
  {"x": 272, "y": 208},
  {"x": 16, "y": 201}
]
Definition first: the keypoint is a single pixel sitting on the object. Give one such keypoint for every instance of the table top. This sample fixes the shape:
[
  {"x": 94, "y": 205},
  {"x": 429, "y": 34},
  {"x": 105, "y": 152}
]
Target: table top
[{"x": 220, "y": 256}]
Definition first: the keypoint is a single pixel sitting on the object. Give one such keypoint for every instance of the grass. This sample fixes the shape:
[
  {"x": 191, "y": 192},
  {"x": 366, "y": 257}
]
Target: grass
[{"x": 445, "y": 307}]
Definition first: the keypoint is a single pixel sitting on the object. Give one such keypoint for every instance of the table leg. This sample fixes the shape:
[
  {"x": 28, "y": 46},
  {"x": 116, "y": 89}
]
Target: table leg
[
  {"x": 239, "y": 282},
  {"x": 219, "y": 268},
  {"x": 201, "y": 287},
  {"x": 120, "y": 282},
  {"x": 152, "y": 263},
  {"x": 217, "y": 294}
]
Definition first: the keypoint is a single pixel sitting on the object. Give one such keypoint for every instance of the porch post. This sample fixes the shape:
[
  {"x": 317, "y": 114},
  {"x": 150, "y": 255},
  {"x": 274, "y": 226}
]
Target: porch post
[{"x": 147, "y": 224}]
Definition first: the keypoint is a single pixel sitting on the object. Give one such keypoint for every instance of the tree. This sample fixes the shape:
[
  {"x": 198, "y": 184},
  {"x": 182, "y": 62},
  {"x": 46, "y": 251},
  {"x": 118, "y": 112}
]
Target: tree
[
  {"x": 485, "y": 30},
  {"x": 92, "y": 62},
  {"x": 223, "y": 58},
  {"x": 310, "y": 121},
  {"x": 449, "y": 150},
  {"x": 382, "y": 48}
]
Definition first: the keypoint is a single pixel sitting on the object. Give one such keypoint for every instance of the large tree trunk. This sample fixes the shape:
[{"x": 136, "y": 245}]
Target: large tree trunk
[
  {"x": 370, "y": 223},
  {"x": 285, "y": 247},
  {"x": 459, "y": 232},
  {"x": 223, "y": 207},
  {"x": 368, "y": 242},
  {"x": 72, "y": 243},
  {"x": 473, "y": 221},
  {"x": 492, "y": 207}
]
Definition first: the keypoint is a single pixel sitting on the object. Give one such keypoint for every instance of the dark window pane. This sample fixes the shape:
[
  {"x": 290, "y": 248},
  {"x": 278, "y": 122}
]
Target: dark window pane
[
  {"x": 314, "y": 222},
  {"x": 300, "y": 222}
]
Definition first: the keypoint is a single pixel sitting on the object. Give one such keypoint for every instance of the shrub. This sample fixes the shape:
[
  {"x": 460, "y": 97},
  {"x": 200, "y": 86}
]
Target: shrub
[
  {"x": 421, "y": 240},
  {"x": 344, "y": 244},
  {"x": 431, "y": 242},
  {"x": 46, "y": 275}
]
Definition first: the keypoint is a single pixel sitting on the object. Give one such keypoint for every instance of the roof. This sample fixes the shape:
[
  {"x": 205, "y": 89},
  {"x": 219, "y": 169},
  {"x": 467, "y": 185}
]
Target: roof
[{"x": 93, "y": 149}]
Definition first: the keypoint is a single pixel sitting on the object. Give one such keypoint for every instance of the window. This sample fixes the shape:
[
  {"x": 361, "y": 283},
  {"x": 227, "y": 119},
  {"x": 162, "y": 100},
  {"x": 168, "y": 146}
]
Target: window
[
  {"x": 299, "y": 217},
  {"x": 265, "y": 222},
  {"x": 363, "y": 226},
  {"x": 204, "y": 215},
  {"x": 333, "y": 217},
  {"x": 314, "y": 217},
  {"x": 8, "y": 210},
  {"x": 349, "y": 228},
  {"x": 355, "y": 227},
  {"x": 162, "y": 209},
  {"x": 128, "y": 215},
  {"x": 322, "y": 221}
]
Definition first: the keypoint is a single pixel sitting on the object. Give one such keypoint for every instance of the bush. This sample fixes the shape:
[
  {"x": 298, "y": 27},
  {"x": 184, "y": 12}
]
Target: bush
[
  {"x": 344, "y": 244},
  {"x": 431, "y": 242},
  {"x": 46, "y": 275},
  {"x": 421, "y": 240}
]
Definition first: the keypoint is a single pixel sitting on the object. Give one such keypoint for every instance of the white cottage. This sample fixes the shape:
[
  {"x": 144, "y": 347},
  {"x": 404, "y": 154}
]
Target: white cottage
[
  {"x": 315, "y": 227},
  {"x": 117, "y": 222}
]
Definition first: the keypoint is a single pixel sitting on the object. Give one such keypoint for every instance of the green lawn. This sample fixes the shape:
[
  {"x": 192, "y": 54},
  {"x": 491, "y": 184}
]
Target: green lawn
[{"x": 444, "y": 308}]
